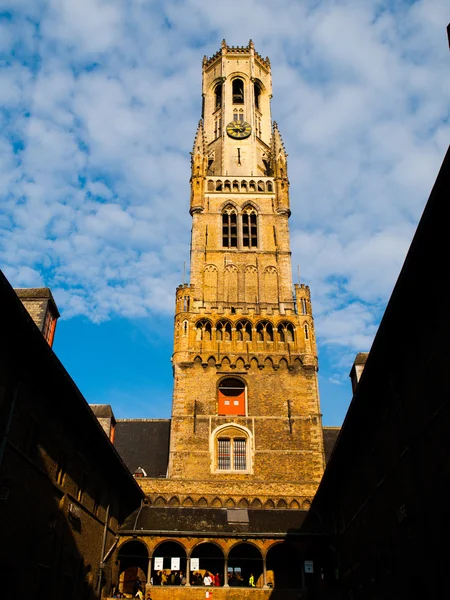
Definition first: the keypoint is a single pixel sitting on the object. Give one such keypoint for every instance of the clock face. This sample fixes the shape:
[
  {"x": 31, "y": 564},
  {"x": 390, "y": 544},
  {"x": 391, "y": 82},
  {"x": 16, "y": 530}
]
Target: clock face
[{"x": 239, "y": 129}]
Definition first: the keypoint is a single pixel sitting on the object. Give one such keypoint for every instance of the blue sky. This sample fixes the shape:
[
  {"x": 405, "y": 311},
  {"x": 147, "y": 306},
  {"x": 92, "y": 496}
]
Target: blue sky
[{"x": 99, "y": 102}]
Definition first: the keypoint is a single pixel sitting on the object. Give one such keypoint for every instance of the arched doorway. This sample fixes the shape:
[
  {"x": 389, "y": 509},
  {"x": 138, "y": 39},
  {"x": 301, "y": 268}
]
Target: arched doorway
[
  {"x": 133, "y": 565},
  {"x": 283, "y": 566},
  {"x": 169, "y": 564},
  {"x": 210, "y": 558},
  {"x": 244, "y": 561}
]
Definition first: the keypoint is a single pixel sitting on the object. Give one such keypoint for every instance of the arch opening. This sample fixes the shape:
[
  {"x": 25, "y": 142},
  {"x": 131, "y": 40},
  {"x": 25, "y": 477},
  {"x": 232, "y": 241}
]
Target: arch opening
[
  {"x": 218, "y": 96},
  {"x": 133, "y": 566},
  {"x": 257, "y": 89},
  {"x": 210, "y": 560},
  {"x": 282, "y": 566},
  {"x": 169, "y": 564},
  {"x": 245, "y": 566}
]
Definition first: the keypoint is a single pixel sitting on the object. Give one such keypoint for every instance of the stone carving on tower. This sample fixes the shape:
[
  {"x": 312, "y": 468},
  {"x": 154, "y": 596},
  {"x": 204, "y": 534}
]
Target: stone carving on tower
[{"x": 246, "y": 425}]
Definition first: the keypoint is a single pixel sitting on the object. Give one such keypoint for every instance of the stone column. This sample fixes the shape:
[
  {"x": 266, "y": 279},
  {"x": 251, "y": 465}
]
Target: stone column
[
  {"x": 225, "y": 572},
  {"x": 188, "y": 572},
  {"x": 264, "y": 572},
  {"x": 149, "y": 571}
]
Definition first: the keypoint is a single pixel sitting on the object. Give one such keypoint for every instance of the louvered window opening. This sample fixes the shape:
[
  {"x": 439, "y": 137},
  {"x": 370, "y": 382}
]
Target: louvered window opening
[
  {"x": 249, "y": 231},
  {"x": 229, "y": 230}
]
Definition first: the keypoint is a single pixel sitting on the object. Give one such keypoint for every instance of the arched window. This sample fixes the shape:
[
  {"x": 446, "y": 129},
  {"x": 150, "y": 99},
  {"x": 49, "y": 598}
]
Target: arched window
[
  {"x": 259, "y": 332},
  {"x": 229, "y": 227},
  {"x": 289, "y": 333},
  {"x": 223, "y": 331},
  {"x": 285, "y": 332},
  {"x": 257, "y": 89},
  {"x": 306, "y": 332},
  {"x": 232, "y": 449},
  {"x": 244, "y": 331},
  {"x": 264, "y": 331},
  {"x": 231, "y": 397},
  {"x": 133, "y": 560},
  {"x": 218, "y": 96},
  {"x": 249, "y": 227},
  {"x": 238, "y": 91},
  {"x": 203, "y": 329}
]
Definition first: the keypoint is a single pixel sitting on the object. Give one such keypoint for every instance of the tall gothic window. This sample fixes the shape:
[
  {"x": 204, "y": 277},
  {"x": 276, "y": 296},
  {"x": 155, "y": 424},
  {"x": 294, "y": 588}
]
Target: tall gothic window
[
  {"x": 218, "y": 96},
  {"x": 238, "y": 91},
  {"x": 229, "y": 227},
  {"x": 249, "y": 228},
  {"x": 257, "y": 89}
]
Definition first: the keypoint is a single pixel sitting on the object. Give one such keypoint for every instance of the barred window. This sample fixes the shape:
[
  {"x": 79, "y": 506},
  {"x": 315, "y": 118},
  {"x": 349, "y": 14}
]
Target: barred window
[
  {"x": 232, "y": 454},
  {"x": 224, "y": 455},
  {"x": 240, "y": 454}
]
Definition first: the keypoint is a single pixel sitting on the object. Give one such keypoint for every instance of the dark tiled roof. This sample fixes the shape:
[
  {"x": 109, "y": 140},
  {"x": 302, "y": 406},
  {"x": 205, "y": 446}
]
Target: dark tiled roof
[
  {"x": 213, "y": 520},
  {"x": 330, "y": 435},
  {"x": 102, "y": 411},
  {"x": 144, "y": 443}
]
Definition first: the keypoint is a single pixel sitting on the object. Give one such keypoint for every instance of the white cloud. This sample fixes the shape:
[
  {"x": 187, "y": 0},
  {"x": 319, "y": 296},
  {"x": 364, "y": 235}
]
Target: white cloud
[{"x": 100, "y": 105}]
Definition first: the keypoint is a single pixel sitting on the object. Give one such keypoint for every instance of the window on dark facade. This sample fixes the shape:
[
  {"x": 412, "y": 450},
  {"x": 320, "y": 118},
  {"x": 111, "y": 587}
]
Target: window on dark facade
[
  {"x": 62, "y": 468},
  {"x": 81, "y": 486}
]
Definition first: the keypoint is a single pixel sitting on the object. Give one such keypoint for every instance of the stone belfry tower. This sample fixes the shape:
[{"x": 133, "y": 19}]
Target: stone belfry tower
[{"x": 246, "y": 425}]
